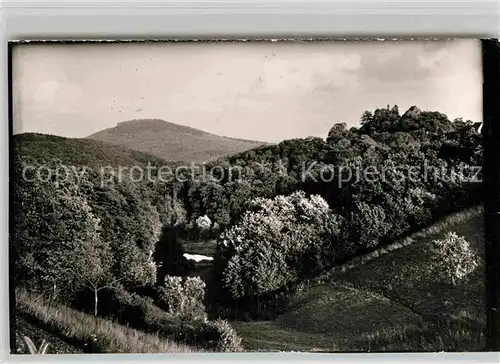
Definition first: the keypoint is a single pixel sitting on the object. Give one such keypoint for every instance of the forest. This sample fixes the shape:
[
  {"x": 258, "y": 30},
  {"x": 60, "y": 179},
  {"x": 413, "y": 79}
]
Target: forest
[{"x": 99, "y": 258}]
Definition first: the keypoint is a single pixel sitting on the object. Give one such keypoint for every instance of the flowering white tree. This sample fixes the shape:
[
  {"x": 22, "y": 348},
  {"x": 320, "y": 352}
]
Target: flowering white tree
[
  {"x": 454, "y": 257},
  {"x": 275, "y": 243}
]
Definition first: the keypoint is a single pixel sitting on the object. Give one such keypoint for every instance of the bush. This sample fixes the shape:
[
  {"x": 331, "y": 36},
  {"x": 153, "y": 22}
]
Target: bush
[
  {"x": 134, "y": 310},
  {"x": 183, "y": 297},
  {"x": 189, "y": 325},
  {"x": 222, "y": 337},
  {"x": 454, "y": 258}
]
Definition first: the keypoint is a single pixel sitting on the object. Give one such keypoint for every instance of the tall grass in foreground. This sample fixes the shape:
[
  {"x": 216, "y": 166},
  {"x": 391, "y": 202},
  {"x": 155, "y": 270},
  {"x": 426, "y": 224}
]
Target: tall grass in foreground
[
  {"x": 91, "y": 333},
  {"x": 32, "y": 347}
]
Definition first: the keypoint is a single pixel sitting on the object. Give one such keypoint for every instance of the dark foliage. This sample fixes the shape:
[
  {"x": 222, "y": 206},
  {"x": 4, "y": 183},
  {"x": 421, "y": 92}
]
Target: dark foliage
[{"x": 169, "y": 255}]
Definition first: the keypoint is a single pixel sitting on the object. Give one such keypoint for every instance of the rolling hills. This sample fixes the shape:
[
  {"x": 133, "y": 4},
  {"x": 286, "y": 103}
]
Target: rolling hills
[{"x": 171, "y": 141}]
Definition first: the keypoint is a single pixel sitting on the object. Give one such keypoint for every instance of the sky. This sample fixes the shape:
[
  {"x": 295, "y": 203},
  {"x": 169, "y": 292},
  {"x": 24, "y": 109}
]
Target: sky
[{"x": 266, "y": 91}]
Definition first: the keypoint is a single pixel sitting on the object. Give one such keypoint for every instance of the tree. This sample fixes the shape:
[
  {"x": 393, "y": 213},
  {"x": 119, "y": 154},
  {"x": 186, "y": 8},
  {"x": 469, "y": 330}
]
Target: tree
[
  {"x": 367, "y": 223},
  {"x": 174, "y": 213},
  {"x": 366, "y": 117},
  {"x": 135, "y": 266},
  {"x": 52, "y": 225},
  {"x": 184, "y": 297},
  {"x": 337, "y": 132},
  {"x": 204, "y": 224},
  {"x": 70, "y": 234},
  {"x": 454, "y": 258},
  {"x": 266, "y": 251},
  {"x": 98, "y": 274},
  {"x": 132, "y": 226}
]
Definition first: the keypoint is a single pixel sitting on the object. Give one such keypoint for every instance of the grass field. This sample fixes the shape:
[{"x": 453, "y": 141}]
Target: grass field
[
  {"x": 404, "y": 276},
  {"x": 393, "y": 302},
  {"x": 272, "y": 336},
  {"x": 328, "y": 318}
]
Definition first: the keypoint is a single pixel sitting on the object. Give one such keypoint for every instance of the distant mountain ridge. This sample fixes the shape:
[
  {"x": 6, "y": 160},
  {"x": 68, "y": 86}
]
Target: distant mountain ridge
[{"x": 172, "y": 142}]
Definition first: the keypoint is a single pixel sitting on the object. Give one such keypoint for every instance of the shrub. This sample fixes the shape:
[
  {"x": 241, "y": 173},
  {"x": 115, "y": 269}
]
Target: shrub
[
  {"x": 222, "y": 337},
  {"x": 140, "y": 312},
  {"x": 454, "y": 258},
  {"x": 183, "y": 297},
  {"x": 134, "y": 310},
  {"x": 187, "y": 324}
]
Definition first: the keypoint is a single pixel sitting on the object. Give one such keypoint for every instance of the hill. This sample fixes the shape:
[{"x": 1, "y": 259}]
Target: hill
[
  {"x": 78, "y": 152},
  {"x": 171, "y": 141},
  {"x": 388, "y": 303}
]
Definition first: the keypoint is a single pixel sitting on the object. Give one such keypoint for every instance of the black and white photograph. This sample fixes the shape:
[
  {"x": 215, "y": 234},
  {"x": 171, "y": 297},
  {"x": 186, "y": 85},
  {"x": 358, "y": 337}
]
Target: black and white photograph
[{"x": 247, "y": 196}]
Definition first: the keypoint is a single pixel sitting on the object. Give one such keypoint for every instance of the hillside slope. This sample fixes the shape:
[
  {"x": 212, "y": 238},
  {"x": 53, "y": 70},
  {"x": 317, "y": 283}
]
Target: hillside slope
[
  {"x": 171, "y": 141},
  {"x": 78, "y": 152},
  {"x": 75, "y": 331},
  {"x": 393, "y": 302},
  {"x": 37, "y": 334}
]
